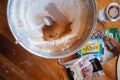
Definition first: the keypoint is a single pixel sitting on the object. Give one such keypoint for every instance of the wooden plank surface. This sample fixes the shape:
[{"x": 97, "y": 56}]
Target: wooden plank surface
[
  {"x": 18, "y": 64},
  {"x": 118, "y": 68}
]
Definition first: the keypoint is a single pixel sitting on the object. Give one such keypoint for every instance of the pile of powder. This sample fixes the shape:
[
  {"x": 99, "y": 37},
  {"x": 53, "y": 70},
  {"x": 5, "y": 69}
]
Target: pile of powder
[{"x": 30, "y": 13}]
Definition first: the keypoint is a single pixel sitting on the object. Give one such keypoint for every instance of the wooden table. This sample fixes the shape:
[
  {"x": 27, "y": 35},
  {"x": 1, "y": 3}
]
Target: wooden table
[
  {"x": 118, "y": 68},
  {"x": 18, "y": 64}
]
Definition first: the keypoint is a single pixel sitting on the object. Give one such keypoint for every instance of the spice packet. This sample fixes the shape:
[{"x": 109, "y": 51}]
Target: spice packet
[
  {"x": 93, "y": 46},
  {"x": 113, "y": 33},
  {"x": 84, "y": 68}
]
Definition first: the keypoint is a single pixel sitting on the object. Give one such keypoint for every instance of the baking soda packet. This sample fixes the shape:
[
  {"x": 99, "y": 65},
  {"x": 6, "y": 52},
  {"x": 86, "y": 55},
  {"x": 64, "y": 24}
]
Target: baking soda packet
[
  {"x": 93, "y": 46},
  {"x": 84, "y": 68}
]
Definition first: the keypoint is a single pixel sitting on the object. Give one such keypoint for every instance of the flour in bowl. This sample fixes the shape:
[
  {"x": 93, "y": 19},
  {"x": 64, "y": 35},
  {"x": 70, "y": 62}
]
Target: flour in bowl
[{"x": 69, "y": 21}]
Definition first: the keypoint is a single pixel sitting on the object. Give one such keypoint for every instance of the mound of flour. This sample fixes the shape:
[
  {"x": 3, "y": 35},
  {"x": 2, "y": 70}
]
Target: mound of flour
[{"x": 28, "y": 14}]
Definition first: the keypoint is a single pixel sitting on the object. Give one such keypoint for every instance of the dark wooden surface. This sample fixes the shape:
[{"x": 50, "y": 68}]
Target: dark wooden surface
[
  {"x": 18, "y": 64},
  {"x": 118, "y": 68}
]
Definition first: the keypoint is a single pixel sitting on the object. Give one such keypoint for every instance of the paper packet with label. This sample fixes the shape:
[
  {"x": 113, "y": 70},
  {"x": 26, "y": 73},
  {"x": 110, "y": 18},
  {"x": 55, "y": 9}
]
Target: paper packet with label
[
  {"x": 84, "y": 68},
  {"x": 93, "y": 46}
]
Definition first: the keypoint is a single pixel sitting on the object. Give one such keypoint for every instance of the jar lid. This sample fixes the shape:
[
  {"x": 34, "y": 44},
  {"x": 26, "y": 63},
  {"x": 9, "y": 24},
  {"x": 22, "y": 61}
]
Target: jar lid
[{"x": 113, "y": 11}]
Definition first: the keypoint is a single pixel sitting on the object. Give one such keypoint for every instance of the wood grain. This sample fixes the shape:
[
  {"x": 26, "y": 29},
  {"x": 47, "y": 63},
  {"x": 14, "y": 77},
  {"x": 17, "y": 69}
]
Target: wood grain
[
  {"x": 118, "y": 68},
  {"x": 18, "y": 64}
]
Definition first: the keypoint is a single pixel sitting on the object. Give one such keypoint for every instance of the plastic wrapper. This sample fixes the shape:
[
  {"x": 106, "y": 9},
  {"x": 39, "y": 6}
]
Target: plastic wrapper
[
  {"x": 92, "y": 55},
  {"x": 84, "y": 68}
]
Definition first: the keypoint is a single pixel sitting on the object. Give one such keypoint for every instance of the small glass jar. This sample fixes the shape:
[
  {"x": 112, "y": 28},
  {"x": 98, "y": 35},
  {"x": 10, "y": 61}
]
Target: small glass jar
[{"x": 109, "y": 14}]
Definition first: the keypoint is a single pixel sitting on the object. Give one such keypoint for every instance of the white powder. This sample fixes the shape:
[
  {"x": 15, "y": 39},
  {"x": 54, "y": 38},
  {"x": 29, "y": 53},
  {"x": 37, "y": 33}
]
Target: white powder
[{"x": 28, "y": 14}]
